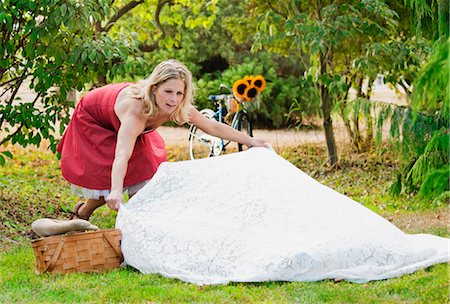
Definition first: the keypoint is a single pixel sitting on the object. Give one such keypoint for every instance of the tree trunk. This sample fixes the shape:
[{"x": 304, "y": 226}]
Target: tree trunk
[
  {"x": 328, "y": 124},
  {"x": 325, "y": 104}
]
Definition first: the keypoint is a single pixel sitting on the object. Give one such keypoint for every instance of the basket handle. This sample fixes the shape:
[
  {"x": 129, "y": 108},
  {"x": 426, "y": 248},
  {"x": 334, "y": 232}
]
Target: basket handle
[
  {"x": 55, "y": 256},
  {"x": 111, "y": 242}
]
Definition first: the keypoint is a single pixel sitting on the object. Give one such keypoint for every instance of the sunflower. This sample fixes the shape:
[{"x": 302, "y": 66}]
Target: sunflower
[
  {"x": 239, "y": 88},
  {"x": 250, "y": 93},
  {"x": 249, "y": 79},
  {"x": 259, "y": 82}
]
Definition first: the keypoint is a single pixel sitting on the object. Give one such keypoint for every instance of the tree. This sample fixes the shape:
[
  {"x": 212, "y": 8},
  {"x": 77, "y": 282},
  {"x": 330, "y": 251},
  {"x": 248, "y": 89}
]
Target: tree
[
  {"x": 426, "y": 169},
  {"x": 223, "y": 54},
  {"x": 47, "y": 44},
  {"x": 430, "y": 18},
  {"x": 55, "y": 46},
  {"x": 420, "y": 130},
  {"x": 324, "y": 30},
  {"x": 153, "y": 24}
]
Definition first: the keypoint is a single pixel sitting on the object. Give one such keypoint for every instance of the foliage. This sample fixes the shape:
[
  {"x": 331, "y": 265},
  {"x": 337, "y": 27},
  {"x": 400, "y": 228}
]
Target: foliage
[
  {"x": 295, "y": 100},
  {"x": 49, "y": 47},
  {"x": 428, "y": 169},
  {"x": 430, "y": 17},
  {"x": 57, "y": 47},
  {"x": 421, "y": 131},
  {"x": 421, "y": 141},
  {"x": 398, "y": 59},
  {"x": 271, "y": 108},
  {"x": 228, "y": 39},
  {"x": 431, "y": 89},
  {"x": 332, "y": 33},
  {"x": 162, "y": 29}
]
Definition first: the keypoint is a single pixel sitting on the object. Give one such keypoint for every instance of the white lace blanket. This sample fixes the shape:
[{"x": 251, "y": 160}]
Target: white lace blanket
[{"x": 253, "y": 216}]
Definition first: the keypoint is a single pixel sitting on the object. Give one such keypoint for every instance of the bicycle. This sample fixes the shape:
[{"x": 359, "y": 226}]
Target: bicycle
[{"x": 203, "y": 145}]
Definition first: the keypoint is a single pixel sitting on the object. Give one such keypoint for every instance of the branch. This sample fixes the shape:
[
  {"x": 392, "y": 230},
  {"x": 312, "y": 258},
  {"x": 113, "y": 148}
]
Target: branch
[
  {"x": 128, "y": 7},
  {"x": 7, "y": 138},
  {"x": 6, "y": 90},
  {"x": 18, "y": 84},
  {"x": 154, "y": 46},
  {"x": 318, "y": 10},
  {"x": 11, "y": 80},
  {"x": 275, "y": 10},
  {"x": 158, "y": 10},
  {"x": 2, "y": 72},
  {"x": 11, "y": 99},
  {"x": 149, "y": 47}
]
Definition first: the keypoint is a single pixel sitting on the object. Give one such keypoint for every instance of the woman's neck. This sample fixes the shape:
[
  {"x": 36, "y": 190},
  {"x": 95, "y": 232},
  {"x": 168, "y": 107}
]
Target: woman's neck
[{"x": 157, "y": 120}]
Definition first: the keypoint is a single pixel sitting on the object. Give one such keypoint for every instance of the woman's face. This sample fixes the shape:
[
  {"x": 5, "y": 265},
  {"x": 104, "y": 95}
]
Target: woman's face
[{"x": 169, "y": 94}]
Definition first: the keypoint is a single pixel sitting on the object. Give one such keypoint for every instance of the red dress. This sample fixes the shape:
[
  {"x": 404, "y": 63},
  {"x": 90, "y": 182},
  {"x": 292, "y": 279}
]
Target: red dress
[{"x": 88, "y": 145}]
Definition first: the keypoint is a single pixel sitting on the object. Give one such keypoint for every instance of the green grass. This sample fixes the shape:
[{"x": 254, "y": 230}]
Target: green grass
[
  {"x": 126, "y": 285},
  {"x": 32, "y": 187}
]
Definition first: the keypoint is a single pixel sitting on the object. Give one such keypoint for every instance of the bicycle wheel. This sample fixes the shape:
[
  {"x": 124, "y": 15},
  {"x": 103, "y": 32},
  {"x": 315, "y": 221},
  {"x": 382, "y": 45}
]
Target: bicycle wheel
[
  {"x": 243, "y": 123},
  {"x": 201, "y": 144}
]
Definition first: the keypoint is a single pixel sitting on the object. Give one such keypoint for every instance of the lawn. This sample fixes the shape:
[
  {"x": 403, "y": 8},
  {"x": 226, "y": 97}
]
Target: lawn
[{"x": 32, "y": 187}]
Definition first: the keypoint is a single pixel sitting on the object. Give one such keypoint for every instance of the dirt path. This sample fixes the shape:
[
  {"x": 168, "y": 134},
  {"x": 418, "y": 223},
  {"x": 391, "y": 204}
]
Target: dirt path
[{"x": 178, "y": 136}]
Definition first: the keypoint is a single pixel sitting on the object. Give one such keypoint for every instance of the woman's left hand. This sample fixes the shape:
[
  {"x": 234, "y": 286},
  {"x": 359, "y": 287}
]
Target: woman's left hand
[{"x": 114, "y": 200}]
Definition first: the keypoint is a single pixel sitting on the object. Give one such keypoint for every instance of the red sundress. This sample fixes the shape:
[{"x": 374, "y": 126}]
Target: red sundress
[{"x": 88, "y": 145}]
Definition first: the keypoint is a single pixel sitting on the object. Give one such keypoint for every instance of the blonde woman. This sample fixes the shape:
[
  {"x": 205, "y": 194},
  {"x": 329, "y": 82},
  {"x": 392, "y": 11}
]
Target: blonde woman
[{"x": 111, "y": 144}]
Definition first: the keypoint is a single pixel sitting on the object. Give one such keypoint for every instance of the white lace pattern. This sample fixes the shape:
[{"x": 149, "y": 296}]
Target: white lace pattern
[{"x": 253, "y": 216}]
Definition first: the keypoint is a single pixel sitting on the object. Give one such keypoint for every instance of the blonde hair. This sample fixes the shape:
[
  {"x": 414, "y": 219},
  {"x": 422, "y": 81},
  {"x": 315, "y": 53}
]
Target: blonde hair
[{"x": 168, "y": 69}]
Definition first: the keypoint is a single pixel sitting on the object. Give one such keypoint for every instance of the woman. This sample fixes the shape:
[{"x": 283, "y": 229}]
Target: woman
[{"x": 111, "y": 146}]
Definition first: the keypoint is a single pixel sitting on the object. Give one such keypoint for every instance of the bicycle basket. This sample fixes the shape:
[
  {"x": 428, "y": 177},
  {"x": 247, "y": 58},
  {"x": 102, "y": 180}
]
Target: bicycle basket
[{"x": 232, "y": 105}]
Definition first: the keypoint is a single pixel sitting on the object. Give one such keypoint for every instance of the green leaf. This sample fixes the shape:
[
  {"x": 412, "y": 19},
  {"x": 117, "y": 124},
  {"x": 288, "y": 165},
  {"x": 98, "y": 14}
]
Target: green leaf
[
  {"x": 84, "y": 55},
  {"x": 8, "y": 154},
  {"x": 92, "y": 55},
  {"x": 63, "y": 9}
]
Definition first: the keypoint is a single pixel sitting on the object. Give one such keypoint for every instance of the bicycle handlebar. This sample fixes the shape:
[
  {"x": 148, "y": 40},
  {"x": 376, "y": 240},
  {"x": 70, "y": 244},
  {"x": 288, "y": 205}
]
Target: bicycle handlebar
[
  {"x": 221, "y": 97},
  {"x": 224, "y": 86},
  {"x": 218, "y": 97}
]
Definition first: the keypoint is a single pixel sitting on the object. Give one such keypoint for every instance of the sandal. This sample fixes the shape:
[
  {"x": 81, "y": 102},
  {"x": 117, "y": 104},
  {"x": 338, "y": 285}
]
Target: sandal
[{"x": 75, "y": 215}]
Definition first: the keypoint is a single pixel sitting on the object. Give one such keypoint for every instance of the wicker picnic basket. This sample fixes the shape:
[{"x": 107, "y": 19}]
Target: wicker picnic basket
[{"x": 92, "y": 251}]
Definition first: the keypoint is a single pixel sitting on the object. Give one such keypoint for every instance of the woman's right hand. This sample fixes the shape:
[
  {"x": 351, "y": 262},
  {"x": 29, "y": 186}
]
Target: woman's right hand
[
  {"x": 256, "y": 142},
  {"x": 114, "y": 200}
]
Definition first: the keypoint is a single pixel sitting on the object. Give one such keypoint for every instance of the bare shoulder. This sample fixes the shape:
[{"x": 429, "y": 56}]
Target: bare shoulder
[{"x": 127, "y": 105}]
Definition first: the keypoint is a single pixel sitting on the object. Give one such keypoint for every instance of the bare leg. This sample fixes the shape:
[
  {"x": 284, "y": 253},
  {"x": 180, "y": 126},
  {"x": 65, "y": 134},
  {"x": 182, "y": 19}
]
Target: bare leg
[{"x": 85, "y": 211}]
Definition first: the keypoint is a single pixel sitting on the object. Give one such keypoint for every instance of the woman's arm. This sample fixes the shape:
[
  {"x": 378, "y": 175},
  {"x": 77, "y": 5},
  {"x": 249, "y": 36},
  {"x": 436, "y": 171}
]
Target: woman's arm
[
  {"x": 131, "y": 125},
  {"x": 224, "y": 131}
]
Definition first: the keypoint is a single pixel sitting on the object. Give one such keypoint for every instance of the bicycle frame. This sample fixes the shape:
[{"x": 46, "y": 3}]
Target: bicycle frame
[
  {"x": 217, "y": 145},
  {"x": 218, "y": 114}
]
